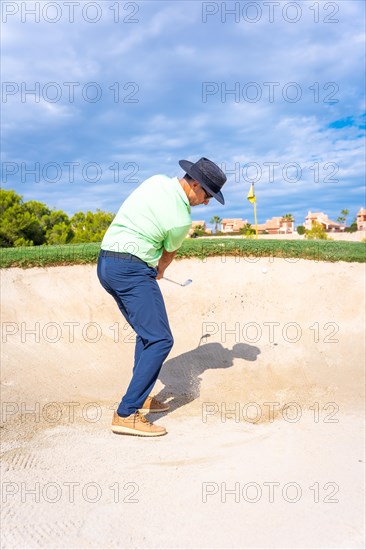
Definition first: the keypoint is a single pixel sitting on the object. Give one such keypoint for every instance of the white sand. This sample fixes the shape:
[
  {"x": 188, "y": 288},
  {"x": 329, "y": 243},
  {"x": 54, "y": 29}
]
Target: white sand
[{"x": 285, "y": 352}]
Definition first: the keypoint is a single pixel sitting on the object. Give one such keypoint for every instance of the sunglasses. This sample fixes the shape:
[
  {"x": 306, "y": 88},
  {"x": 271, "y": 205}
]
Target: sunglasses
[{"x": 207, "y": 196}]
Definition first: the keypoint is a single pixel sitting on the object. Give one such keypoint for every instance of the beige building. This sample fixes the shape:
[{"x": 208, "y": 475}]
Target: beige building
[
  {"x": 323, "y": 219},
  {"x": 230, "y": 225},
  {"x": 361, "y": 220},
  {"x": 277, "y": 226}
]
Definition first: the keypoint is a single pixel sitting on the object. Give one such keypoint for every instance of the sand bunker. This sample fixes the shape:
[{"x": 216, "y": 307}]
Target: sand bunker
[{"x": 265, "y": 429}]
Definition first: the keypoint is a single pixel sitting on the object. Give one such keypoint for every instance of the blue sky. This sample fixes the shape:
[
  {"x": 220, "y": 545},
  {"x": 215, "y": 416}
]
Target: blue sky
[{"x": 273, "y": 92}]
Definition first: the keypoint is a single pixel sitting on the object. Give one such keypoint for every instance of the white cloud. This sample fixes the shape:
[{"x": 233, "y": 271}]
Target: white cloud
[{"x": 169, "y": 53}]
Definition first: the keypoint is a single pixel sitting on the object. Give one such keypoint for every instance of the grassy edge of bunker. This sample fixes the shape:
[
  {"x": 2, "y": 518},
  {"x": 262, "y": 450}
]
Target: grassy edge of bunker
[{"x": 74, "y": 254}]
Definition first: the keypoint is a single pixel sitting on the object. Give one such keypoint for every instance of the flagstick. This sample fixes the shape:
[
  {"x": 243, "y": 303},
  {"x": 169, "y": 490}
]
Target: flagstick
[
  {"x": 252, "y": 198},
  {"x": 255, "y": 220}
]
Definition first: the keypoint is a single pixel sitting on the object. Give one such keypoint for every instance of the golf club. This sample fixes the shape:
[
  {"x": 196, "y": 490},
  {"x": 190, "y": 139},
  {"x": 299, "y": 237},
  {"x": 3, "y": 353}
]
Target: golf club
[{"x": 188, "y": 281}]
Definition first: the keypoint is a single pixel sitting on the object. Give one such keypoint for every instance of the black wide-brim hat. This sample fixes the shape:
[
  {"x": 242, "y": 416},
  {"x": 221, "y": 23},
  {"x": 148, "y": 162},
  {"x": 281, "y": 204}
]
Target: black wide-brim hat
[{"x": 208, "y": 175}]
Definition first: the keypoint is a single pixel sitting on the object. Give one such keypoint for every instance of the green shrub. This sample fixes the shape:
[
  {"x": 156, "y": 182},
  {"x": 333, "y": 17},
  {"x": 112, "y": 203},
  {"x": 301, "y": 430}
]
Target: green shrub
[
  {"x": 352, "y": 228},
  {"x": 317, "y": 232},
  {"x": 247, "y": 230}
]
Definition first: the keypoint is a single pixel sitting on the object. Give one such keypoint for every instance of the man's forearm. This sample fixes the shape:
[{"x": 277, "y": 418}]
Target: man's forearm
[{"x": 165, "y": 260}]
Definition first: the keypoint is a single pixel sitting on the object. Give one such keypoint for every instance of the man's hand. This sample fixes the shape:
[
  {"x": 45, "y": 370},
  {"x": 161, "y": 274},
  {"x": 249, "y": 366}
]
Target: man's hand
[
  {"x": 165, "y": 260},
  {"x": 160, "y": 274}
]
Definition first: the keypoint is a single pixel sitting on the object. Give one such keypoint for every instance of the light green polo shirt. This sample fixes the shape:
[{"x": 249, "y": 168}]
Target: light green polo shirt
[{"x": 156, "y": 215}]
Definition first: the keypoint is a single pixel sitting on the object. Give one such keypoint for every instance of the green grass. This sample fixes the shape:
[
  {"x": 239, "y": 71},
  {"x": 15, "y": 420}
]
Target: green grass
[
  {"x": 66, "y": 254},
  {"x": 326, "y": 251}
]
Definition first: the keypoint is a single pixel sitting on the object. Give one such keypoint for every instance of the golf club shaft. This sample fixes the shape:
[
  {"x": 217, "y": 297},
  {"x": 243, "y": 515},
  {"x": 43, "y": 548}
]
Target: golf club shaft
[{"x": 171, "y": 281}]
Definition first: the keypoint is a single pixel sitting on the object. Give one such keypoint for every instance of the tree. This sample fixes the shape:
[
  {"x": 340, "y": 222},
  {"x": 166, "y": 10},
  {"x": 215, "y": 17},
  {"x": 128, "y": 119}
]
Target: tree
[
  {"x": 59, "y": 230},
  {"x": 300, "y": 229},
  {"x": 20, "y": 224},
  {"x": 343, "y": 218},
  {"x": 8, "y": 199},
  {"x": 288, "y": 217},
  {"x": 199, "y": 230},
  {"x": 216, "y": 220},
  {"x": 10, "y": 207},
  {"x": 352, "y": 228},
  {"x": 60, "y": 233},
  {"x": 247, "y": 230},
  {"x": 40, "y": 214},
  {"x": 90, "y": 227},
  {"x": 317, "y": 231},
  {"x": 31, "y": 223},
  {"x": 34, "y": 223}
]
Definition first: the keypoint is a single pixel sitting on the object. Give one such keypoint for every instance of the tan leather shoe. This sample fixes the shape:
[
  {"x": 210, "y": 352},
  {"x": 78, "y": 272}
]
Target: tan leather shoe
[
  {"x": 135, "y": 424},
  {"x": 152, "y": 405}
]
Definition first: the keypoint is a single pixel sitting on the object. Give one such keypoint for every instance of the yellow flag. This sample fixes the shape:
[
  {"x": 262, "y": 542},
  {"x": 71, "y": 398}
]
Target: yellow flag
[{"x": 251, "y": 196}]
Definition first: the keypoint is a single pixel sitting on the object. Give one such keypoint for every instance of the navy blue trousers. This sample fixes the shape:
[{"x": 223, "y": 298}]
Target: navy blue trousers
[{"x": 132, "y": 283}]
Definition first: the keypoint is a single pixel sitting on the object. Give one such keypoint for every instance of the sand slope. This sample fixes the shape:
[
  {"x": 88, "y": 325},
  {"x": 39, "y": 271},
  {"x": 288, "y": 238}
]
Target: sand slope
[{"x": 283, "y": 350}]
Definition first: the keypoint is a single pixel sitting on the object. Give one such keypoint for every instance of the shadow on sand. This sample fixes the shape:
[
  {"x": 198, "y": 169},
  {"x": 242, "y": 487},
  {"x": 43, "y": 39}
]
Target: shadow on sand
[{"x": 181, "y": 375}]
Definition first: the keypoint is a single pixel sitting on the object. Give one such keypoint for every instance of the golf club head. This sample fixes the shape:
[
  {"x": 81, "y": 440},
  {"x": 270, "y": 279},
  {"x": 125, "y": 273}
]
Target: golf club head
[{"x": 188, "y": 282}]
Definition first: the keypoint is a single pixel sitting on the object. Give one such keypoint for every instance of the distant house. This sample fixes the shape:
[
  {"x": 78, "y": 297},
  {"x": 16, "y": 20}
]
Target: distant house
[
  {"x": 231, "y": 225},
  {"x": 323, "y": 219},
  {"x": 286, "y": 226},
  {"x": 361, "y": 220},
  {"x": 276, "y": 226}
]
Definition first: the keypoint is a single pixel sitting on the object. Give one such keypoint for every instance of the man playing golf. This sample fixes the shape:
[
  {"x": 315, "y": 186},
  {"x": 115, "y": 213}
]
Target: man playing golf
[{"x": 137, "y": 248}]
